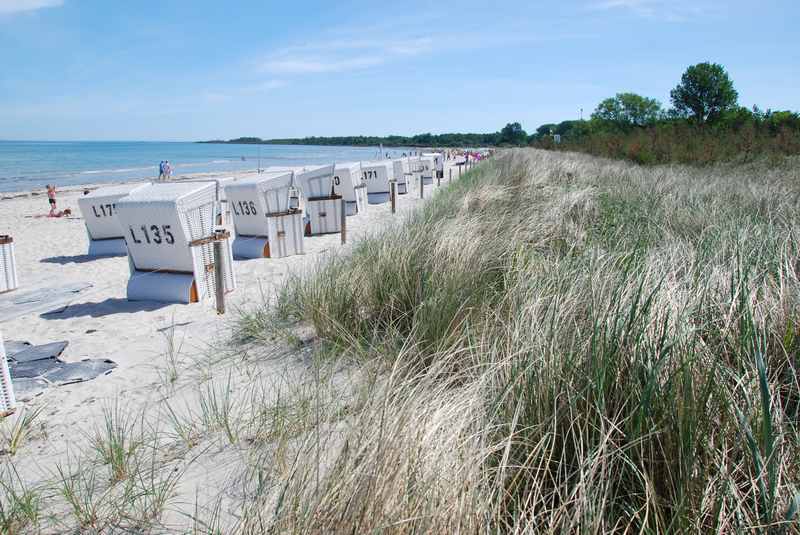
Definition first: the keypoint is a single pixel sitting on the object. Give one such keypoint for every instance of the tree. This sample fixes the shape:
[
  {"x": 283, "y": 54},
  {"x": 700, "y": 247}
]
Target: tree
[
  {"x": 546, "y": 129},
  {"x": 627, "y": 110},
  {"x": 705, "y": 93},
  {"x": 513, "y": 134},
  {"x": 572, "y": 130}
]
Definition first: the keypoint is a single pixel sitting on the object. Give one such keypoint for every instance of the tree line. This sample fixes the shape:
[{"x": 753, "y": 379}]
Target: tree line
[
  {"x": 419, "y": 140},
  {"x": 704, "y": 124}
]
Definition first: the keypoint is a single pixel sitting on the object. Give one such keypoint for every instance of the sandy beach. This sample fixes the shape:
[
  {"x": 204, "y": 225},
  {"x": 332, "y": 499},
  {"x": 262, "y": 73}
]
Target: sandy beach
[{"x": 165, "y": 353}]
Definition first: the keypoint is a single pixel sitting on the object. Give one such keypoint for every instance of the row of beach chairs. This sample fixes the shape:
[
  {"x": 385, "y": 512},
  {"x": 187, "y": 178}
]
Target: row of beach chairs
[{"x": 169, "y": 230}]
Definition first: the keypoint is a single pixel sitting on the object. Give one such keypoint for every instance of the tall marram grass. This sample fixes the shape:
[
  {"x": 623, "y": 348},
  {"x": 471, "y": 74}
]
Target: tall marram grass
[{"x": 559, "y": 343}]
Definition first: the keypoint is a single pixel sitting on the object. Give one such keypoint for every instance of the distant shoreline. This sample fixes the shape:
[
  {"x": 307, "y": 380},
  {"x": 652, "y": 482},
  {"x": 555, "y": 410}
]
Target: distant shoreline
[
  {"x": 75, "y": 188},
  {"x": 450, "y": 141}
]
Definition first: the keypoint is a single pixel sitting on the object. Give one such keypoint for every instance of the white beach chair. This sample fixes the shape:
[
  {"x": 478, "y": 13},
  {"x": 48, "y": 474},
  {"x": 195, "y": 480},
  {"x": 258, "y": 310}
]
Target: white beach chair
[
  {"x": 438, "y": 162},
  {"x": 224, "y": 213},
  {"x": 376, "y": 175},
  {"x": 8, "y": 265},
  {"x": 264, "y": 224},
  {"x": 99, "y": 211},
  {"x": 348, "y": 183},
  {"x": 7, "y": 400},
  {"x": 168, "y": 228},
  {"x": 401, "y": 175},
  {"x": 323, "y": 207},
  {"x": 426, "y": 166}
]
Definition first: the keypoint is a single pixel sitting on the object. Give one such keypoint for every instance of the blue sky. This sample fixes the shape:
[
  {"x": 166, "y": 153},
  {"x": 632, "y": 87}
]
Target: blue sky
[{"x": 189, "y": 70}]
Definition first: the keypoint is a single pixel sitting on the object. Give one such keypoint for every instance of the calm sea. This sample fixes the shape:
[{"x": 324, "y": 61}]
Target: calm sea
[{"x": 29, "y": 165}]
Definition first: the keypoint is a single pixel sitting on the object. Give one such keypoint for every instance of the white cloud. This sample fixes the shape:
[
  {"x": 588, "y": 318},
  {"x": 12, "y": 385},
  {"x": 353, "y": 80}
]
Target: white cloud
[
  {"x": 411, "y": 47},
  {"x": 17, "y": 6},
  {"x": 342, "y": 54},
  {"x": 316, "y": 65},
  {"x": 358, "y": 48},
  {"x": 671, "y": 10},
  {"x": 271, "y": 84}
]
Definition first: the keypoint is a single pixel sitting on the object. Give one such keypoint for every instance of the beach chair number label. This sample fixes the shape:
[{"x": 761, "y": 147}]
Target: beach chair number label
[
  {"x": 154, "y": 234},
  {"x": 245, "y": 208},
  {"x": 106, "y": 210},
  {"x": 336, "y": 180},
  {"x": 369, "y": 175}
]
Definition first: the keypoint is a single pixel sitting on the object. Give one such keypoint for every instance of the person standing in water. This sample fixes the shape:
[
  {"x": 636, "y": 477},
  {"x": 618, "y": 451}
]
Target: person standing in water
[
  {"x": 167, "y": 170},
  {"x": 161, "y": 170}
]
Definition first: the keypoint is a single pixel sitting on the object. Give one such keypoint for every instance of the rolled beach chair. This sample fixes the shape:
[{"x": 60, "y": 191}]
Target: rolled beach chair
[
  {"x": 7, "y": 400},
  {"x": 323, "y": 207},
  {"x": 401, "y": 175},
  {"x": 427, "y": 167},
  {"x": 265, "y": 223},
  {"x": 8, "y": 265},
  {"x": 170, "y": 233},
  {"x": 438, "y": 162},
  {"x": 348, "y": 183},
  {"x": 376, "y": 175},
  {"x": 99, "y": 209}
]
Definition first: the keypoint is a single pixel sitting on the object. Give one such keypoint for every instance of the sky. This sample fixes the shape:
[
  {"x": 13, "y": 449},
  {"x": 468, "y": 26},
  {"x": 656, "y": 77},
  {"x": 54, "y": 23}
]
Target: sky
[{"x": 202, "y": 69}]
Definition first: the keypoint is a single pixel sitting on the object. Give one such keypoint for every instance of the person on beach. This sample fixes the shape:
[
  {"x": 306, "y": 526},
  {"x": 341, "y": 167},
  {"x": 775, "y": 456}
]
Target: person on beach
[
  {"x": 167, "y": 170},
  {"x": 161, "y": 172},
  {"x": 51, "y": 198}
]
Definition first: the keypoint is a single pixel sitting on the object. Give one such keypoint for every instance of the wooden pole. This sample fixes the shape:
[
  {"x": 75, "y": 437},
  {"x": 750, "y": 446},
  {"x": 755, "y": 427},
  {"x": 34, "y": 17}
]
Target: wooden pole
[
  {"x": 438, "y": 179},
  {"x": 450, "y": 175},
  {"x": 421, "y": 187},
  {"x": 219, "y": 253},
  {"x": 344, "y": 221},
  {"x": 393, "y": 187}
]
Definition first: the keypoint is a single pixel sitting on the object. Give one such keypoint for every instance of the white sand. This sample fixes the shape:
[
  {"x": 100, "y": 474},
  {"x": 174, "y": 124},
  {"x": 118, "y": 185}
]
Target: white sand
[{"x": 101, "y": 323}]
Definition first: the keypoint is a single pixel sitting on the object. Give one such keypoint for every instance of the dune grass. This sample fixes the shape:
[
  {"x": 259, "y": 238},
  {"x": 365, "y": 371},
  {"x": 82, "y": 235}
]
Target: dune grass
[
  {"x": 552, "y": 343},
  {"x": 560, "y": 343}
]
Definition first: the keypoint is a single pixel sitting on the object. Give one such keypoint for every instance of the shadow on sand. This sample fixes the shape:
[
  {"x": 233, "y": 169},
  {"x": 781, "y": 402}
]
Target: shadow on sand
[
  {"x": 100, "y": 309},
  {"x": 77, "y": 259}
]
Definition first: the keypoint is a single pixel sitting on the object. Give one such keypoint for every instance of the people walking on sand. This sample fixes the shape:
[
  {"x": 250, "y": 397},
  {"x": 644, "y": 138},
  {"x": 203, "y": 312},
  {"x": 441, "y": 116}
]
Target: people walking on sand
[
  {"x": 51, "y": 198},
  {"x": 167, "y": 170},
  {"x": 161, "y": 170}
]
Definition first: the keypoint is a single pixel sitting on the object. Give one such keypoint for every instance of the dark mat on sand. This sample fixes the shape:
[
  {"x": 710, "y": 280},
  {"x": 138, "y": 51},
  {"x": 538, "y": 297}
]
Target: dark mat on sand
[
  {"x": 36, "y": 368},
  {"x": 77, "y": 372},
  {"x": 13, "y": 346},
  {"x": 33, "y": 353},
  {"x": 20, "y": 303}
]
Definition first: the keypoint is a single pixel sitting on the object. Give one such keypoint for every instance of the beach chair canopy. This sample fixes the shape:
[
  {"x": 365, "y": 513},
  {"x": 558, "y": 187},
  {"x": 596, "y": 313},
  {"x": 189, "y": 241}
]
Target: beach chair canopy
[
  {"x": 160, "y": 220},
  {"x": 400, "y": 168},
  {"x": 100, "y": 212},
  {"x": 346, "y": 178},
  {"x": 252, "y": 199},
  {"x": 316, "y": 181},
  {"x": 377, "y": 174},
  {"x": 428, "y": 164}
]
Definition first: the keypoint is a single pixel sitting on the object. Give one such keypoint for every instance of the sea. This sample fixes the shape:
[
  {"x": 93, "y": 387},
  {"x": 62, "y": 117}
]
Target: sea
[{"x": 30, "y": 165}]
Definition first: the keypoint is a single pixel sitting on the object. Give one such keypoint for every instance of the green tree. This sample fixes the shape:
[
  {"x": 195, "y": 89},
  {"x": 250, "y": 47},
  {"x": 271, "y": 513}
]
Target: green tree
[
  {"x": 627, "y": 110},
  {"x": 546, "y": 129},
  {"x": 705, "y": 93},
  {"x": 513, "y": 134}
]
